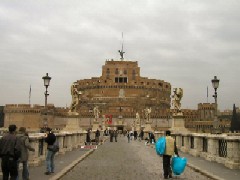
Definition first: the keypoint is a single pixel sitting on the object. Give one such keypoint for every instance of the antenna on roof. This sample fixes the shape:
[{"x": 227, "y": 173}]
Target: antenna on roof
[{"x": 121, "y": 52}]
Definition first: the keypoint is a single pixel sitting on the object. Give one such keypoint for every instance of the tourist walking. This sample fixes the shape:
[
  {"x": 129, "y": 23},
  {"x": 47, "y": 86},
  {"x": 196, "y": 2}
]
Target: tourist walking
[
  {"x": 151, "y": 138},
  {"x": 141, "y": 134},
  {"x": 115, "y": 134},
  {"x": 111, "y": 135},
  {"x": 25, "y": 147},
  {"x": 88, "y": 138},
  {"x": 97, "y": 135},
  {"x": 131, "y": 135},
  {"x": 50, "y": 139},
  {"x": 171, "y": 148},
  {"x": 10, "y": 150},
  {"x": 128, "y": 136},
  {"x": 135, "y": 135}
]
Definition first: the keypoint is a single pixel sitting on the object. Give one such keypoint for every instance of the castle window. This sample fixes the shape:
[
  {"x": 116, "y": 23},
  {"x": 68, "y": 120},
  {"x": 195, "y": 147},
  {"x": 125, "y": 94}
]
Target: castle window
[
  {"x": 120, "y": 79},
  {"x": 108, "y": 71},
  {"x": 133, "y": 75},
  {"x": 125, "y": 71},
  {"x": 116, "y": 71}
]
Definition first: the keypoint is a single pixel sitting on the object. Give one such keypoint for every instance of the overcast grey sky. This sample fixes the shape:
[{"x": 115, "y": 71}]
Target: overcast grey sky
[{"x": 183, "y": 42}]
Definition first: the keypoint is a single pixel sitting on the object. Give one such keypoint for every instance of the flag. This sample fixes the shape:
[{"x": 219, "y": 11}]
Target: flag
[{"x": 108, "y": 119}]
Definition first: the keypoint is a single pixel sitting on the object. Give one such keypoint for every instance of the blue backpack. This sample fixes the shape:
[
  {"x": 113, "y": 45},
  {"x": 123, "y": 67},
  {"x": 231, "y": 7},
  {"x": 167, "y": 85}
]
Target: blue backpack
[{"x": 160, "y": 145}]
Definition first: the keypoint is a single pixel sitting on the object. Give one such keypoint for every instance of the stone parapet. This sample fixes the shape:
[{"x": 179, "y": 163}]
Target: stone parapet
[
  {"x": 67, "y": 142},
  {"x": 220, "y": 148}
]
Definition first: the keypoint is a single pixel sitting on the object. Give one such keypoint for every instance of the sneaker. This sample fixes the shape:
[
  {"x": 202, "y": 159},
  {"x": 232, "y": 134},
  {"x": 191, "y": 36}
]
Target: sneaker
[
  {"x": 170, "y": 176},
  {"x": 47, "y": 173}
]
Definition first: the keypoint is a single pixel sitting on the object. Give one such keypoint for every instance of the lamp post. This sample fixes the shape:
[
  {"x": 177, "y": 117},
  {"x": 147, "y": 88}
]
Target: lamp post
[
  {"x": 215, "y": 84},
  {"x": 46, "y": 80}
]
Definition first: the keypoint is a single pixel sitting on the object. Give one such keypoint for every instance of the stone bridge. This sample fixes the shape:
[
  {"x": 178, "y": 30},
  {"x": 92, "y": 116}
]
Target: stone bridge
[{"x": 135, "y": 160}]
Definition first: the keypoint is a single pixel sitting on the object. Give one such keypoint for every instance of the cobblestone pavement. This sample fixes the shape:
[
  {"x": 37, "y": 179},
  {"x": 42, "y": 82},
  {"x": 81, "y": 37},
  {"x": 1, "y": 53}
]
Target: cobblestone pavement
[{"x": 124, "y": 161}]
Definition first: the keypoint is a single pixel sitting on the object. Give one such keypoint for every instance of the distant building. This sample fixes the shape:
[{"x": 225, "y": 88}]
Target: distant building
[
  {"x": 201, "y": 120},
  {"x": 1, "y": 116}
]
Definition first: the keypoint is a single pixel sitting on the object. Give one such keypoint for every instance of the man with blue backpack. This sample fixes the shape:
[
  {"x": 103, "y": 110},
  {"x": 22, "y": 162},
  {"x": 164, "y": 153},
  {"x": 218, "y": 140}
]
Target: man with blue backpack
[{"x": 170, "y": 150}]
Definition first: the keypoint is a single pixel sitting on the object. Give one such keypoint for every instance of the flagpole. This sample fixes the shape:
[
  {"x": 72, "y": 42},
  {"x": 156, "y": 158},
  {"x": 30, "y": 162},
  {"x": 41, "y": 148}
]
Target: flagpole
[
  {"x": 30, "y": 95},
  {"x": 207, "y": 94}
]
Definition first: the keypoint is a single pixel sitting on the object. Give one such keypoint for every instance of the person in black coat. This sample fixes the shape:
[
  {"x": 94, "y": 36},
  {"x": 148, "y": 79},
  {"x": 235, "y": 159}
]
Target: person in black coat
[
  {"x": 50, "y": 139},
  {"x": 10, "y": 150},
  {"x": 97, "y": 135},
  {"x": 88, "y": 138}
]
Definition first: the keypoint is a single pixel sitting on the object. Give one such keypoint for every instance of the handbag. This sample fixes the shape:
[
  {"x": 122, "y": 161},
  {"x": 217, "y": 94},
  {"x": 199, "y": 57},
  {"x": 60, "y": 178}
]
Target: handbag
[{"x": 178, "y": 165}]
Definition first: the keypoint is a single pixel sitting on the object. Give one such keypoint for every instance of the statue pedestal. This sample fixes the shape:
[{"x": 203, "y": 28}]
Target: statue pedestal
[
  {"x": 138, "y": 127},
  {"x": 178, "y": 123},
  {"x": 148, "y": 127},
  {"x": 72, "y": 124},
  {"x": 95, "y": 125},
  {"x": 103, "y": 126}
]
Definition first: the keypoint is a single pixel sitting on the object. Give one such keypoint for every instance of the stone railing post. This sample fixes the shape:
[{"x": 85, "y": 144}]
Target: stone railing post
[
  {"x": 213, "y": 148},
  {"x": 61, "y": 143},
  {"x": 197, "y": 146},
  {"x": 186, "y": 146},
  {"x": 78, "y": 139},
  {"x": 179, "y": 141},
  {"x": 233, "y": 153},
  {"x": 35, "y": 158},
  {"x": 82, "y": 138},
  {"x": 74, "y": 140},
  {"x": 68, "y": 142}
]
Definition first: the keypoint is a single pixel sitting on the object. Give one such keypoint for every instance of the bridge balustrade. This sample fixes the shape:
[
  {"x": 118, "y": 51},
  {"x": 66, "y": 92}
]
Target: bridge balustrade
[
  {"x": 221, "y": 148},
  {"x": 67, "y": 142}
]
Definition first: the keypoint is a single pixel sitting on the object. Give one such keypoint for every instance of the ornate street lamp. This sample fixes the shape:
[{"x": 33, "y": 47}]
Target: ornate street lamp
[
  {"x": 46, "y": 80},
  {"x": 215, "y": 84}
]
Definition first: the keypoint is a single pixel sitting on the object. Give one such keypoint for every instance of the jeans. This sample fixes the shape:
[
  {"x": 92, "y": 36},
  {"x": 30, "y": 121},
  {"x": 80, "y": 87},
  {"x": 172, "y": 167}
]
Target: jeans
[
  {"x": 25, "y": 172},
  {"x": 9, "y": 167},
  {"x": 50, "y": 161}
]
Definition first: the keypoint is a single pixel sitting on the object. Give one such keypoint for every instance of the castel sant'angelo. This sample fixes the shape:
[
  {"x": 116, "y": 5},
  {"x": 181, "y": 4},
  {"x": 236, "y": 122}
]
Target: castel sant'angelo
[{"x": 120, "y": 93}]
